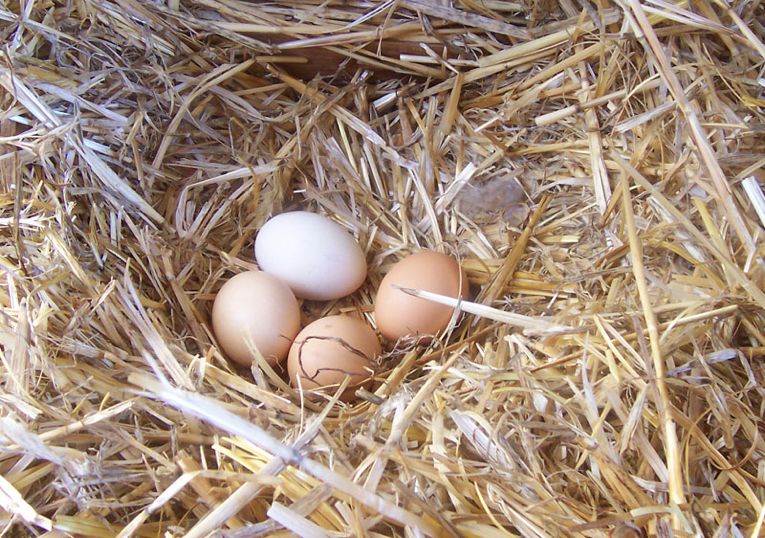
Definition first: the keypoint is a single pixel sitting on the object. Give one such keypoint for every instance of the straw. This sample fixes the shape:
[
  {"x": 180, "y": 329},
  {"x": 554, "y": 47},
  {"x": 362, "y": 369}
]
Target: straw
[{"x": 595, "y": 168}]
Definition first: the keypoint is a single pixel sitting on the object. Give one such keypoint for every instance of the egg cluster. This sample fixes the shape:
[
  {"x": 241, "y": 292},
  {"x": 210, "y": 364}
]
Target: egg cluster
[{"x": 309, "y": 256}]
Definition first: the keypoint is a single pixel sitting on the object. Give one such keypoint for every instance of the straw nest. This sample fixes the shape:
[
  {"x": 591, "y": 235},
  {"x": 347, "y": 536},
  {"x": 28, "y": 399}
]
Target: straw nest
[{"x": 594, "y": 165}]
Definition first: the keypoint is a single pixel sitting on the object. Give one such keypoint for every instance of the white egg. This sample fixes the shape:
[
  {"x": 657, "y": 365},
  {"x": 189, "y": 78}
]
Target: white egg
[{"x": 316, "y": 257}]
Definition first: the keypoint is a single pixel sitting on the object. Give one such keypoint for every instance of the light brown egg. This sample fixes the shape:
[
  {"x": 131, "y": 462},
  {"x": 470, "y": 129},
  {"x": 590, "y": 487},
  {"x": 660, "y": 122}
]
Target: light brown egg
[
  {"x": 331, "y": 349},
  {"x": 258, "y": 308},
  {"x": 399, "y": 314}
]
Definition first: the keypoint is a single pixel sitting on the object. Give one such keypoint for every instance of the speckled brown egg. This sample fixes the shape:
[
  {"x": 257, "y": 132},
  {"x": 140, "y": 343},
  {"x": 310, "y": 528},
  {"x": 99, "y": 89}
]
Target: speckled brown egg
[
  {"x": 331, "y": 349},
  {"x": 255, "y": 308},
  {"x": 399, "y": 314}
]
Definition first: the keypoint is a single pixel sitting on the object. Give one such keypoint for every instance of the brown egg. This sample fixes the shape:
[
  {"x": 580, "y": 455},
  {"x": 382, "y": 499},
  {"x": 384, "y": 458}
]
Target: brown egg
[
  {"x": 399, "y": 314},
  {"x": 331, "y": 349},
  {"x": 255, "y": 308}
]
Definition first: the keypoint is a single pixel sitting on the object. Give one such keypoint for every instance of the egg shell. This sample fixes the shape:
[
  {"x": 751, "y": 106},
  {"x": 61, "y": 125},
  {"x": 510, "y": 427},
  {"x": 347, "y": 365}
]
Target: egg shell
[
  {"x": 255, "y": 307},
  {"x": 399, "y": 314},
  {"x": 316, "y": 257},
  {"x": 330, "y": 349}
]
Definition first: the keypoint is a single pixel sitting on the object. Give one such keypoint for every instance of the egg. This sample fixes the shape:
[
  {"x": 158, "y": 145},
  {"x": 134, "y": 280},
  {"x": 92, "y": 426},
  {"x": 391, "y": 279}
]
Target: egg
[
  {"x": 316, "y": 257},
  {"x": 255, "y": 308},
  {"x": 331, "y": 349},
  {"x": 399, "y": 314}
]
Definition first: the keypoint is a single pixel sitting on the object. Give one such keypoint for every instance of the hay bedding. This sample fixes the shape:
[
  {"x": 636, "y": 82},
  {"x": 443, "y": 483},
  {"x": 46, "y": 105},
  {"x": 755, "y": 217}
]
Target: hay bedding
[{"x": 595, "y": 165}]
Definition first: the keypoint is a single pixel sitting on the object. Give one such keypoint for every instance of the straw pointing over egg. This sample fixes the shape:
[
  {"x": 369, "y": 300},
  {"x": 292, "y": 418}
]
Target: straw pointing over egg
[{"x": 530, "y": 325}]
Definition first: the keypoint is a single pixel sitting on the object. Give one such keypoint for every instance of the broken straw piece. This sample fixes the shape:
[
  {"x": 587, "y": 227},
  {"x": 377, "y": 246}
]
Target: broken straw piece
[{"x": 754, "y": 192}]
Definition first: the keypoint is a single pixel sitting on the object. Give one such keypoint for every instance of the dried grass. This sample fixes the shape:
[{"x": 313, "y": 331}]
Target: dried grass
[{"x": 606, "y": 377}]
